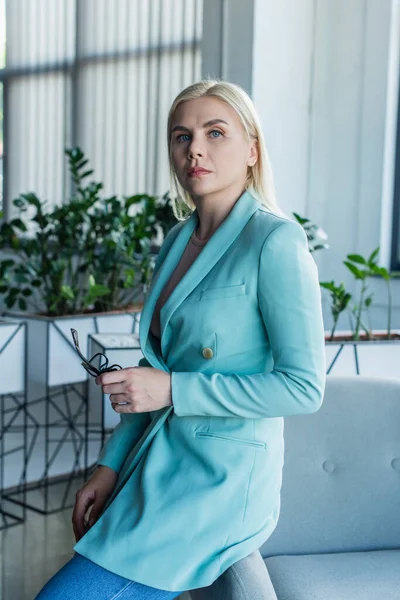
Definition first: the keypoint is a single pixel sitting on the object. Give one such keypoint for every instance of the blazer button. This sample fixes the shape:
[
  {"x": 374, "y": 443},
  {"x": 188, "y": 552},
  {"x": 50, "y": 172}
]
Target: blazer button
[{"x": 207, "y": 353}]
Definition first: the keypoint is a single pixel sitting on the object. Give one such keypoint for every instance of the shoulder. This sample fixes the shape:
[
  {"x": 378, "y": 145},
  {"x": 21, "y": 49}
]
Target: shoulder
[
  {"x": 284, "y": 247},
  {"x": 273, "y": 228}
]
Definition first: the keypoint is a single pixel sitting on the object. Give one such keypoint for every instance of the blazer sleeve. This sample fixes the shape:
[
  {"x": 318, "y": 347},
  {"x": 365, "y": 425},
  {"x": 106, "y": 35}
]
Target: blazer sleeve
[
  {"x": 132, "y": 425},
  {"x": 289, "y": 297},
  {"x": 123, "y": 438}
]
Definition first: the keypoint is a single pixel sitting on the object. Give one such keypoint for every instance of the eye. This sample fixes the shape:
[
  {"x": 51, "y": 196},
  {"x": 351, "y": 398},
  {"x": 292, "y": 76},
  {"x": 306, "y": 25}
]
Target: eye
[
  {"x": 216, "y": 131},
  {"x": 178, "y": 137},
  {"x": 183, "y": 137}
]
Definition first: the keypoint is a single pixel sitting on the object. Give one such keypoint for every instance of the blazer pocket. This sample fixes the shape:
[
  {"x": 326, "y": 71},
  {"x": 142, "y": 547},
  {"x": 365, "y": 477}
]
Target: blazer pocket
[
  {"x": 224, "y": 292},
  {"x": 229, "y": 438}
]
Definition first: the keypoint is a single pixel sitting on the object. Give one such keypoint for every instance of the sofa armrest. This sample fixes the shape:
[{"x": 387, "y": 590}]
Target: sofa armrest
[{"x": 247, "y": 579}]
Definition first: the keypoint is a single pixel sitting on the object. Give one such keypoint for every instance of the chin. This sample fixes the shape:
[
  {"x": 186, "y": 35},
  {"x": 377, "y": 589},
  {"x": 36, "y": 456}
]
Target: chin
[
  {"x": 198, "y": 190},
  {"x": 200, "y": 187}
]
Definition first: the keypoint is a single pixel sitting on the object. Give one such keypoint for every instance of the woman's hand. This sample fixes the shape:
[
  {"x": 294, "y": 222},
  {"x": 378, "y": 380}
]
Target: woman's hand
[
  {"x": 95, "y": 492},
  {"x": 137, "y": 389}
]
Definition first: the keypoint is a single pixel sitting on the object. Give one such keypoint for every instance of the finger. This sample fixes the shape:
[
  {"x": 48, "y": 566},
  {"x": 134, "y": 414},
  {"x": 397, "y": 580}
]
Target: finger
[
  {"x": 95, "y": 513},
  {"x": 120, "y": 399},
  {"x": 114, "y": 388},
  {"x": 123, "y": 408},
  {"x": 82, "y": 503},
  {"x": 118, "y": 376},
  {"x": 78, "y": 526}
]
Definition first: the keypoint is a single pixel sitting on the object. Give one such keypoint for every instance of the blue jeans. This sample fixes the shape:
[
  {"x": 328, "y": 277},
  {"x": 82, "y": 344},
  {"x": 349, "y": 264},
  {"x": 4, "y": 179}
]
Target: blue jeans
[{"x": 82, "y": 578}]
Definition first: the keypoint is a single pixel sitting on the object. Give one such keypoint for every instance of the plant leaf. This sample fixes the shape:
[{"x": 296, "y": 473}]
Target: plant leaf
[{"x": 357, "y": 258}]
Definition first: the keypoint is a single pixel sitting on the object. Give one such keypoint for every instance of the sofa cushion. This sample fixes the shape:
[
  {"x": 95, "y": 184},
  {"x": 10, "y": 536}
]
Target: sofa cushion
[
  {"x": 340, "y": 490},
  {"x": 367, "y": 575}
]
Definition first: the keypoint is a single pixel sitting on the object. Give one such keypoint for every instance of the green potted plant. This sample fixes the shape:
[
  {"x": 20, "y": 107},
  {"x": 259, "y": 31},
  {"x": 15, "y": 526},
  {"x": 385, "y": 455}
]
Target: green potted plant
[
  {"x": 85, "y": 264},
  {"x": 90, "y": 255},
  {"x": 378, "y": 352}
]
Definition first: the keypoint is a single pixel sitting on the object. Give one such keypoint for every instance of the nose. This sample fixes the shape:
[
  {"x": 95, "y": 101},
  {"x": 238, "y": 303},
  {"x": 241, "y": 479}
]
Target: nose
[{"x": 195, "y": 149}]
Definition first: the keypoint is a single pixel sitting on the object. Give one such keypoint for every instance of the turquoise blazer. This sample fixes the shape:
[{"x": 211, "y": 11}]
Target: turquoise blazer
[{"x": 242, "y": 336}]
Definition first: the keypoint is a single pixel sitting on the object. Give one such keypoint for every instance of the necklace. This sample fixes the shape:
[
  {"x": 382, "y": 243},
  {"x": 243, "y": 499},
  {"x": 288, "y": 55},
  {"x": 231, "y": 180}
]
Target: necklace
[{"x": 201, "y": 239}]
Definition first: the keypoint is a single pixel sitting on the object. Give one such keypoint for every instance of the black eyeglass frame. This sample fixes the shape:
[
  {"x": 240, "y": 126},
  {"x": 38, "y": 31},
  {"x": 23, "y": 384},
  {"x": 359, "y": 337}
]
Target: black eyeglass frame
[{"x": 86, "y": 364}]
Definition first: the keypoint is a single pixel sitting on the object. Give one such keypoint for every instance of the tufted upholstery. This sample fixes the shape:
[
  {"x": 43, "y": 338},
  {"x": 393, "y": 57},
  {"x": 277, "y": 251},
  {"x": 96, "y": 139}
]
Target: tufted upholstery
[{"x": 338, "y": 534}]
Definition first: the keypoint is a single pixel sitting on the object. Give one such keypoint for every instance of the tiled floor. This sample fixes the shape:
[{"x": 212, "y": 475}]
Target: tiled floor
[{"x": 31, "y": 552}]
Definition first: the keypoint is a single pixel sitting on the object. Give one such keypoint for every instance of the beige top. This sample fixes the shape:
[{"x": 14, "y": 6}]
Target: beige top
[{"x": 189, "y": 255}]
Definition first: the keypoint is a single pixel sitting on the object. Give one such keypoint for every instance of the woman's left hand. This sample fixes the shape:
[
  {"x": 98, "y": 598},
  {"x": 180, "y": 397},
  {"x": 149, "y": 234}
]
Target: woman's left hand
[{"x": 143, "y": 388}]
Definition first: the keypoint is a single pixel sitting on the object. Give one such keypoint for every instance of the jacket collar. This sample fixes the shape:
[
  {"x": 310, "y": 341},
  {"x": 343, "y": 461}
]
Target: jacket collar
[{"x": 217, "y": 245}]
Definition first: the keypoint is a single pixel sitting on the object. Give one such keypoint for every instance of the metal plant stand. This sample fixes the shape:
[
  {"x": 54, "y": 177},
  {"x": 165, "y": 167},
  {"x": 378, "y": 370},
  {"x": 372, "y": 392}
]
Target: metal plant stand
[
  {"x": 361, "y": 346},
  {"x": 341, "y": 346},
  {"x": 64, "y": 421},
  {"x": 14, "y": 438},
  {"x": 57, "y": 415}
]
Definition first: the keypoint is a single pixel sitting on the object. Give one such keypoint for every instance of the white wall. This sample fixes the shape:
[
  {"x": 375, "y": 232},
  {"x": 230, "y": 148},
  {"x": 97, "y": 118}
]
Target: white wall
[
  {"x": 282, "y": 72},
  {"x": 324, "y": 80}
]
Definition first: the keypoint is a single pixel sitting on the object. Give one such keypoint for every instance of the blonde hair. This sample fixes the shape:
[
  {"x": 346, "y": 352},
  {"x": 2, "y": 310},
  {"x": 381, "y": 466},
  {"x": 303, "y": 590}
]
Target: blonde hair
[{"x": 259, "y": 179}]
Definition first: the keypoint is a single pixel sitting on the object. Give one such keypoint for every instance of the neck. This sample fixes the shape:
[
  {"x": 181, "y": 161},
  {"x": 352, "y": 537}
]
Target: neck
[{"x": 213, "y": 209}]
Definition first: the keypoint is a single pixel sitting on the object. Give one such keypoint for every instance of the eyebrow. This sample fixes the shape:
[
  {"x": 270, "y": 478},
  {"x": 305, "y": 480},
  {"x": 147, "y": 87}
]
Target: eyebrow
[{"x": 212, "y": 122}]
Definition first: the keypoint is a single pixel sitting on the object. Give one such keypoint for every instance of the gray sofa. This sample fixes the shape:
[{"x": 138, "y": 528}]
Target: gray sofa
[{"x": 338, "y": 534}]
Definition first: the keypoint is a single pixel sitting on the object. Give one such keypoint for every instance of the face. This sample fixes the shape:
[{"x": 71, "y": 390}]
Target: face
[{"x": 207, "y": 134}]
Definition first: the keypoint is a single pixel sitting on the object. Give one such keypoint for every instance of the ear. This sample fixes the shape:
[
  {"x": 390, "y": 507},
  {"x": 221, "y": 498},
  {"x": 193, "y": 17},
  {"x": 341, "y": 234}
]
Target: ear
[{"x": 253, "y": 154}]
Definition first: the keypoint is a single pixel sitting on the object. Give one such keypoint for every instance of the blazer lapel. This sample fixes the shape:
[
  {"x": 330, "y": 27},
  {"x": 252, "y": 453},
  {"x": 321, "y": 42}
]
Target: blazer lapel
[{"x": 216, "y": 246}]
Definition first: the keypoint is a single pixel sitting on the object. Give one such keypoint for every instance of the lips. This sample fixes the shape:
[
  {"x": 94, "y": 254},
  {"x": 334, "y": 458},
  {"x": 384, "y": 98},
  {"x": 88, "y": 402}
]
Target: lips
[{"x": 197, "y": 171}]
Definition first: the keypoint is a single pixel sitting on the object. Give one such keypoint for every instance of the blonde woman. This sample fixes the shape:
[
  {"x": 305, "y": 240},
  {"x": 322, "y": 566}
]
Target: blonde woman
[{"x": 233, "y": 341}]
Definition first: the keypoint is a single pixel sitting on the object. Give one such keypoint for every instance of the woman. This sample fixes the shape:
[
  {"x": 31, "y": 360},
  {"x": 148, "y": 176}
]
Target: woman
[{"x": 233, "y": 340}]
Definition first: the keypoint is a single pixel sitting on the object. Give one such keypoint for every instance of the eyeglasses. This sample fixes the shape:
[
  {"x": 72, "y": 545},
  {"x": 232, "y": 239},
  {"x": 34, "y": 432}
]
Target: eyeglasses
[{"x": 86, "y": 364}]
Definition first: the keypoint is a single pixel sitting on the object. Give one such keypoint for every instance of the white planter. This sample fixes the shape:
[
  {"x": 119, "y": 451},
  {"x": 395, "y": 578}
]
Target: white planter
[
  {"x": 377, "y": 358},
  {"x": 52, "y": 359}
]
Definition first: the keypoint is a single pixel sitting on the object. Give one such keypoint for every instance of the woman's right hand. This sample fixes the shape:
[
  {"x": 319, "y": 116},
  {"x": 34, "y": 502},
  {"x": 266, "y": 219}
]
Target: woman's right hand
[{"x": 95, "y": 492}]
